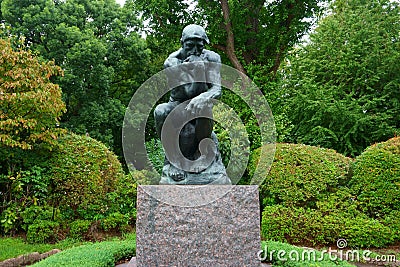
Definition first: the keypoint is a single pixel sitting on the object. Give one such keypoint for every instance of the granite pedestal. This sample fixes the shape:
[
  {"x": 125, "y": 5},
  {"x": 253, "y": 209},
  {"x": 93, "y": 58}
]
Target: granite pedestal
[{"x": 222, "y": 227}]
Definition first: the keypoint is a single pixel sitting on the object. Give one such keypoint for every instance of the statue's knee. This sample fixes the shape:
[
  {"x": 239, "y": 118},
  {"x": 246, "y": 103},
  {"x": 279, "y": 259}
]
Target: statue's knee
[{"x": 159, "y": 112}]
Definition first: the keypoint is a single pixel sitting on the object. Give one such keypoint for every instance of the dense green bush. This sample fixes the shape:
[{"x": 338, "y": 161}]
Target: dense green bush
[
  {"x": 123, "y": 198},
  {"x": 366, "y": 232},
  {"x": 376, "y": 178},
  {"x": 392, "y": 220},
  {"x": 298, "y": 225},
  {"x": 102, "y": 254},
  {"x": 308, "y": 200},
  {"x": 83, "y": 171},
  {"x": 301, "y": 175},
  {"x": 80, "y": 179},
  {"x": 115, "y": 221},
  {"x": 79, "y": 229},
  {"x": 43, "y": 231}
]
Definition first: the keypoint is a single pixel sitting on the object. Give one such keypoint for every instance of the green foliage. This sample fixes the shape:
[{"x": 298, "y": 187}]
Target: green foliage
[
  {"x": 42, "y": 231},
  {"x": 101, "y": 120},
  {"x": 97, "y": 45},
  {"x": 23, "y": 192},
  {"x": 82, "y": 180},
  {"x": 342, "y": 86},
  {"x": 331, "y": 205},
  {"x": 261, "y": 31},
  {"x": 376, "y": 179},
  {"x": 83, "y": 171},
  {"x": 79, "y": 228},
  {"x": 301, "y": 175},
  {"x": 123, "y": 198},
  {"x": 36, "y": 213},
  {"x": 26, "y": 115},
  {"x": 366, "y": 232},
  {"x": 276, "y": 252},
  {"x": 298, "y": 225},
  {"x": 92, "y": 255},
  {"x": 156, "y": 154},
  {"x": 392, "y": 220},
  {"x": 115, "y": 221},
  {"x": 9, "y": 218}
]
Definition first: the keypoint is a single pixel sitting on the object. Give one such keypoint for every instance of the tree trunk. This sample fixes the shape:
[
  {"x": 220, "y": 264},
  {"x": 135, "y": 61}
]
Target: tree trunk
[{"x": 230, "y": 40}]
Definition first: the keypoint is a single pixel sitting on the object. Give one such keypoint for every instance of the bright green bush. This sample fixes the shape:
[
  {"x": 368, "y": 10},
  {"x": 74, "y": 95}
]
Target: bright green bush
[
  {"x": 301, "y": 175},
  {"x": 43, "y": 231},
  {"x": 83, "y": 171},
  {"x": 102, "y": 254},
  {"x": 79, "y": 228},
  {"x": 123, "y": 198},
  {"x": 297, "y": 225},
  {"x": 80, "y": 179},
  {"x": 392, "y": 220},
  {"x": 365, "y": 232},
  {"x": 376, "y": 178},
  {"x": 114, "y": 221}
]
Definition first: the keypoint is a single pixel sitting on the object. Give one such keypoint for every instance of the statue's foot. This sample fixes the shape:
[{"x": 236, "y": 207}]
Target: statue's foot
[{"x": 176, "y": 174}]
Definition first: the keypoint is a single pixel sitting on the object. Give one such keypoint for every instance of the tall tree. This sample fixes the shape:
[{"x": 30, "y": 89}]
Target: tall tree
[
  {"x": 30, "y": 104},
  {"x": 343, "y": 86},
  {"x": 97, "y": 45},
  {"x": 247, "y": 32}
]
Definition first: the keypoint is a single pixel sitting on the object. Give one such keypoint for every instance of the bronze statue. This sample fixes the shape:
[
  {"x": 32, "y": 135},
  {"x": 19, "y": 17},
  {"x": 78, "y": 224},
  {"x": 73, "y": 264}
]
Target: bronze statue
[{"x": 196, "y": 70}]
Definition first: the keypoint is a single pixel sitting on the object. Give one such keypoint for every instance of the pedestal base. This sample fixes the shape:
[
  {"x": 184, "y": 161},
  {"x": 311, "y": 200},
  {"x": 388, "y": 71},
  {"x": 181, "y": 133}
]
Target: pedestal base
[{"x": 225, "y": 232}]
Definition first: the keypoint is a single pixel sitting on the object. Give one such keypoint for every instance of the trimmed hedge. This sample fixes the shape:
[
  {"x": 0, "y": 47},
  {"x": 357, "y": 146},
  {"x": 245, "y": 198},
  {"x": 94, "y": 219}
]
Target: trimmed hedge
[
  {"x": 310, "y": 196},
  {"x": 376, "y": 179},
  {"x": 104, "y": 254},
  {"x": 297, "y": 225},
  {"x": 301, "y": 175}
]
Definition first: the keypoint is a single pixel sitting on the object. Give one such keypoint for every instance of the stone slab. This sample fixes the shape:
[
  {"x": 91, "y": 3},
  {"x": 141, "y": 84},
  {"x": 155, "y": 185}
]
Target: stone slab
[{"x": 223, "y": 232}]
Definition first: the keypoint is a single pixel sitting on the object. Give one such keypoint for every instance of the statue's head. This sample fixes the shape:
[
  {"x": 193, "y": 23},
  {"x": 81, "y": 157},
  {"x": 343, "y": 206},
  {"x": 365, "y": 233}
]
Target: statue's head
[
  {"x": 194, "y": 31},
  {"x": 193, "y": 39}
]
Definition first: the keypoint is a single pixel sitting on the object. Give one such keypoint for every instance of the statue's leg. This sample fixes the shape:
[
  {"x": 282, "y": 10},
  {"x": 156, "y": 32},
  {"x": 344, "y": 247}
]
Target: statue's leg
[
  {"x": 160, "y": 114},
  {"x": 204, "y": 126},
  {"x": 206, "y": 151}
]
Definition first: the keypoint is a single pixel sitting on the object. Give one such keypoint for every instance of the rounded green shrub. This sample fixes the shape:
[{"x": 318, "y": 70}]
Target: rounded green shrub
[
  {"x": 115, "y": 221},
  {"x": 366, "y": 232},
  {"x": 82, "y": 172},
  {"x": 297, "y": 225},
  {"x": 43, "y": 231},
  {"x": 301, "y": 175},
  {"x": 376, "y": 178},
  {"x": 392, "y": 220}
]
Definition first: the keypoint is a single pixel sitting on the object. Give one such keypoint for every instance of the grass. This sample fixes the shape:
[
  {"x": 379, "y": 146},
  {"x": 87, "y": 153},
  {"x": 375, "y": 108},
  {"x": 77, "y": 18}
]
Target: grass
[
  {"x": 13, "y": 247},
  {"x": 103, "y": 254}
]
